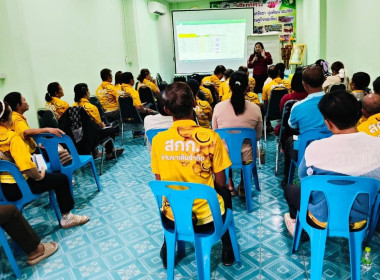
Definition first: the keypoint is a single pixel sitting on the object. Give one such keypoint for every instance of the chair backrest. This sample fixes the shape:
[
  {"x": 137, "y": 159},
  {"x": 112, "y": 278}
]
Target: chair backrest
[
  {"x": 234, "y": 137},
  {"x": 136, "y": 85},
  {"x": 95, "y": 101},
  {"x": 27, "y": 195},
  {"x": 340, "y": 193},
  {"x": 128, "y": 112},
  {"x": 308, "y": 136},
  {"x": 46, "y": 118},
  {"x": 50, "y": 142},
  {"x": 273, "y": 110},
  {"x": 181, "y": 201},
  {"x": 146, "y": 95},
  {"x": 153, "y": 132},
  {"x": 286, "y": 114}
]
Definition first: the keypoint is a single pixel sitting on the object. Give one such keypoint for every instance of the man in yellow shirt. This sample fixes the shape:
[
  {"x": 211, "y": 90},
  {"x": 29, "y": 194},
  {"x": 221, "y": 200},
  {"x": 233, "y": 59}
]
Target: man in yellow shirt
[
  {"x": 108, "y": 96},
  {"x": 371, "y": 111},
  {"x": 203, "y": 109},
  {"x": 19, "y": 106},
  {"x": 276, "y": 83},
  {"x": 187, "y": 152},
  {"x": 224, "y": 89},
  {"x": 213, "y": 80}
]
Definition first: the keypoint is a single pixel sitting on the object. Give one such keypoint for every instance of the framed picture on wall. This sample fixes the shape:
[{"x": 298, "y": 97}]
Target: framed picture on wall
[{"x": 297, "y": 54}]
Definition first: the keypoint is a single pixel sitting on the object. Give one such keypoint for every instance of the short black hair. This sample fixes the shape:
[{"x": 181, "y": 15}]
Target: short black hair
[
  {"x": 194, "y": 85},
  {"x": 118, "y": 77},
  {"x": 160, "y": 105},
  {"x": 52, "y": 89},
  {"x": 179, "y": 99},
  {"x": 296, "y": 83},
  {"x": 80, "y": 91},
  {"x": 6, "y": 111},
  {"x": 196, "y": 77},
  {"x": 336, "y": 66},
  {"x": 341, "y": 108},
  {"x": 227, "y": 74},
  {"x": 272, "y": 72},
  {"x": 376, "y": 85},
  {"x": 361, "y": 80},
  {"x": 13, "y": 99},
  {"x": 219, "y": 69},
  {"x": 313, "y": 76},
  {"x": 126, "y": 77},
  {"x": 105, "y": 74},
  {"x": 280, "y": 70}
]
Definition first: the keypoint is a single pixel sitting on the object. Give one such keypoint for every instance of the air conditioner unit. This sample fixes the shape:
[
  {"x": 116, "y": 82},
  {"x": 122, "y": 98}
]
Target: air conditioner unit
[{"x": 156, "y": 8}]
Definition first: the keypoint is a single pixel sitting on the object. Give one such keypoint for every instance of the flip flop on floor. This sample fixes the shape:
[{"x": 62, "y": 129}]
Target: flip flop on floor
[
  {"x": 75, "y": 220},
  {"x": 49, "y": 249}
]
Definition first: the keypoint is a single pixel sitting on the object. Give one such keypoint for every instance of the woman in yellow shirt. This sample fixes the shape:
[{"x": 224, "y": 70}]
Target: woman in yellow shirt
[
  {"x": 145, "y": 79},
  {"x": 54, "y": 101},
  {"x": 13, "y": 149}
]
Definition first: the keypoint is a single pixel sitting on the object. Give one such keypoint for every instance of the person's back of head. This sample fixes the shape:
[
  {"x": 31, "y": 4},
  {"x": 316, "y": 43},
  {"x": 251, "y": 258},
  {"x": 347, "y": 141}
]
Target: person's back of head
[
  {"x": 219, "y": 70},
  {"x": 341, "y": 108},
  {"x": 336, "y": 66},
  {"x": 371, "y": 105},
  {"x": 360, "y": 80},
  {"x": 13, "y": 99},
  {"x": 280, "y": 70},
  {"x": 296, "y": 84},
  {"x": 238, "y": 85},
  {"x": 335, "y": 87},
  {"x": 52, "y": 90},
  {"x": 376, "y": 85},
  {"x": 118, "y": 77},
  {"x": 324, "y": 65},
  {"x": 143, "y": 74},
  {"x": 105, "y": 74},
  {"x": 194, "y": 85},
  {"x": 160, "y": 105},
  {"x": 196, "y": 77},
  {"x": 80, "y": 91},
  {"x": 313, "y": 77},
  {"x": 179, "y": 100},
  {"x": 126, "y": 77},
  {"x": 244, "y": 69},
  {"x": 272, "y": 72},
  {"x": 227, "y": 74}
]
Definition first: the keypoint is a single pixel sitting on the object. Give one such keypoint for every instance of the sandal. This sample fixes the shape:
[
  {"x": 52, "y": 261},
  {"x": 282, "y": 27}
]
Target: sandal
[
  {"x": 49, "y": 249},
  {"x": 241, "y": 191},
  {"x": 75, "y": 220},
  {"x": 290, "y": 224}
]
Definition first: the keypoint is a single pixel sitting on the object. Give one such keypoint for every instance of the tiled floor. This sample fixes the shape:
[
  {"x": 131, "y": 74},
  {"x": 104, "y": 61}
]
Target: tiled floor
[{"x": 124, "y": 236}]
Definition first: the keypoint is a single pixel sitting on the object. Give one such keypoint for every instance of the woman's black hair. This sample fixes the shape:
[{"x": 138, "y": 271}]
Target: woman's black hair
[
  {"x": 261, "y": 44},
  {"x": 143, "y": 74},
  {"x": 118, "y": 77},
  {"x": 80, "y": 91},
  {"x": 238, "y": 85},
  {"x": 336, "y": 66},
  {"x": 296, "y": 83},
  {"x": 13, "y": 99},
  {"x": 6, "y": 111},
  {"x": 52, "y": 90}
]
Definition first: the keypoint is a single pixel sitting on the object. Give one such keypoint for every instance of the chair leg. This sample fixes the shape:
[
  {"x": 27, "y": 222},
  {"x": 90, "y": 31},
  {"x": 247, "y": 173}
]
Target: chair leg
[
  {"x": 53, "y": 201},
  {"x": 202, "y": 255},
  {"x": 374, "y": 220},
  {"x": 235, "y": 246},
  {"x": 8, "y": 252},
  {"x": 170, "y": 253},
  {"x": 122, "y": 133},
  {"x": 265, "y": 129},
  {"x": 247, "y": 177},
  {"x": 101, "y": 161},
  {"x": 96, "y": 177},
  {"x": 258, "y": 149},
  {"x": 277, "y": 157},
  {"x": 256, "y": 178},
  {"x": 318, "y": 244},
  {"x": 297, "y": 235},
  {"x": 355, "y": 244}
]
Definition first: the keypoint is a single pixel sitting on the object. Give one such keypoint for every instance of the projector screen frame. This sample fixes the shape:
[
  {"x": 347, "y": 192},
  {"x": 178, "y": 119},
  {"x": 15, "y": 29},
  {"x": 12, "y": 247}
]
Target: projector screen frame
[{"x": 197, "y": 10}]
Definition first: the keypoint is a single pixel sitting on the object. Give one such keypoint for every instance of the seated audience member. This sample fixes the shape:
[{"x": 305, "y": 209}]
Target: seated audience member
[
  {"x": 14, "y": 223},
  {"x": 277, "y": 82},
  {"x": 324, "y": 66},
  {"x": 145, "y": 79},
  {"x": 214, "y": 80},
  {"x": 19, "y": 124},
  {"x": 224, "y": 89},
  {"x": 107, "y": 95},
  {"x": 54, "y": 101},
  {"x": 359, "y": 82},
  {"x": 376, "y": 86},
  {"x": 203, "y": 109},
  {"x": 118, "y": 82},
  {"x": 338, "y": 75},
  {"x": 347, "y": 152},
  {"x": 250, "y": 95},
  {"x": 298, "y": 91},
  {"x": 179, "y": 102},
  {"x": 198, "y": 78},
  {"x": 305, "y": 114},
  {"x": 13, "y": 149},
  {"x": 81, "y": 98},
  {"x": 271, "y": 75},
  {"x": 371, "y": 112},
  {"x": 238, "y": 112}
]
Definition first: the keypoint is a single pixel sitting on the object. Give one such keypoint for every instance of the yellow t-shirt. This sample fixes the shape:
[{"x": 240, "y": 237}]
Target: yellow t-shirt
[
  {"x": 189, "y": 153},
  {"x": 129, "y": 91},
  {"x": 213, "y": 79},
  {"x": 224, "y": 88},
  {"x": 91, "y": 110},
  {"x": 371, "y": 126},
  {"x": 108, "y": 97},
  {"x": 251, "y": 82},
  {"x": 361, "y": 120},
  {"x": 14, "y": 147},
  {"x": 207, "y": 93},
  {"x": 58, "y": 106},
  {"x": 204, "y": 113},
  {"x": 149, "y": 84},
  {"x": 19, "y": 125},
  {"x": 252, "y": 97},
  {"x": 278, "y": 82}
]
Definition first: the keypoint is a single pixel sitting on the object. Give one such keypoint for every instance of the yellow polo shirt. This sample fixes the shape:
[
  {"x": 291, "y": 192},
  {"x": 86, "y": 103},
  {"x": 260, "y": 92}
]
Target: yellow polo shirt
[
  {"x": 278, "y": 82},
  {"x": 371, "y": 126},
  {"x": 252, "y": 97},
  {"x": 58, "y": 106},
  {"x": 361, "y": 120},
  {"x": 224, "y": 87},
  {"x": 108, "y": 97},
  {"x": 189, "y": 153},
  {"x": 149, "y": 84},
  {"x": 91, "y": 110},
  {"x": 251, "y": 82},
  {"x": 129, "y": 91},
  {"x": 204, "y": 113},
  {"x": 207, "y": 93},
  {"x": 19, "y": 125},
  {"x": 14, "y": 147}
]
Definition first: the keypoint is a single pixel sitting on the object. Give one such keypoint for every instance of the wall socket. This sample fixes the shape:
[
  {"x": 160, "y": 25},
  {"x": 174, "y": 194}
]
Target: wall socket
[{"x": 3, "y": 75}]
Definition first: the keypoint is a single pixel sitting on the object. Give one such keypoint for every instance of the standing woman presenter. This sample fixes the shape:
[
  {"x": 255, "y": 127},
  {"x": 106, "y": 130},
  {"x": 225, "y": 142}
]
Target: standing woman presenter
[{"x": 259, "y": 61}]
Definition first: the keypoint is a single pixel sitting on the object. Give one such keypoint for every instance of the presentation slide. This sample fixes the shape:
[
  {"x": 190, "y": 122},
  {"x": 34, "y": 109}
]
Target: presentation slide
[{"x": 204, "y": 39}]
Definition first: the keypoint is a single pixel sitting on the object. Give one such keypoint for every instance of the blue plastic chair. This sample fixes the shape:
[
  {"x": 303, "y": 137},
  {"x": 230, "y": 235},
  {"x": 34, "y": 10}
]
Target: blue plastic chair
[
  {"x": 374, "y": 220},
  {"x": 8, "y": 252},
  {"x": 153, "y": 132},
  {"x": 340, "y": 193},
  {"x": 234, "y": 137},
  {"x": 301, "y": 144},
  {"x": 50, "y": 143},
  {"x": 181, "y": 203},
  {"x": 27, "y": 195}
]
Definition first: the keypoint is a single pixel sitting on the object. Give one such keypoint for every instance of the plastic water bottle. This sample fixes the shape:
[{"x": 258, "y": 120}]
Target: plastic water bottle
[{"x": 366, "y": 259}]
